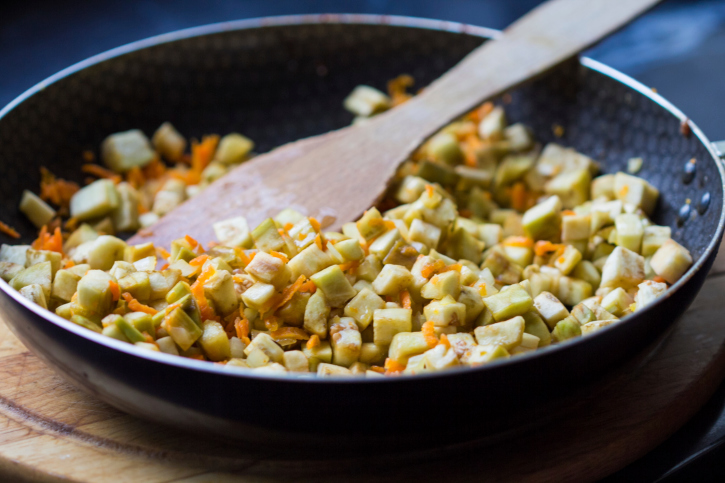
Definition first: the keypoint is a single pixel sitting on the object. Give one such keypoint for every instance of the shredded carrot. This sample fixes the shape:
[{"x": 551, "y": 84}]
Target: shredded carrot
[
  {"x": 288, "y": 226},
  {"x": 137, "y": 306},
  {"x": 199, "y": 261},
  {"x": 135, "y": 177},
  {"x": 482, "y": 289},
  {"x": 454, "y": 266},
  {"x": 155, "y": 169},
  {"x": 57, "y": 191},
  {"x": 659, "y": 279},
  {"x": 405, "y": 299},
  {"x": 543, "y": 247},
  {"x": 431, "y": 269},
  {"x": 163, "y": 253},
  {"x": 318, "y": 242},
  {"x": 88, "y": 156},
  {"x": 389, "y": 224},
  {"x": 101, "y": 172},
  {"x": 377, "y": 369},
  {"x": 315, "y": 224},
  {"x": 518, "y": 241},
  {"x": 164, "y": 266},
  {"x": 519, "y": 196},
  {"x": 244, "y": 257},
  {"x": 289, "y": 333},
  {"x": 288, "y": 293},
  {"x": 46, "y": 241},
  {"x": 429, "y": 189},
  {"x": 148, "y": 338},
  {"x": 444, "y": 341},
  {"x": 197, "y": 290},
  {"x": 279, "y": 255},
  {"x": 481, "y": 112},
  {"x": 8, "y": 230},
  {"x": 69, "y": 264},
  {"x": 568, "y": 213},
  {"x": 308, "y": 287},
  {"x": 393, "y": 367},
  {"x": 623, "y": 192},
  {"x": 313, "y": 342},
  {"x": 193, "y": 243},
  {"x": 242, "y": 327},
  {"x": 115, "y": 290},
  {"x": 271, "y": 323},
  {"x": 428, "y": 330},
  {"x": 397, "y": 89}
]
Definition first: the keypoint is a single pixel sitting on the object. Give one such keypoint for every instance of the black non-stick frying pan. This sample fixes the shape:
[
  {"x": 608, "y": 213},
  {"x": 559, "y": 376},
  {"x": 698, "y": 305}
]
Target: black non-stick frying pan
[{"x": 281, "y": 79}]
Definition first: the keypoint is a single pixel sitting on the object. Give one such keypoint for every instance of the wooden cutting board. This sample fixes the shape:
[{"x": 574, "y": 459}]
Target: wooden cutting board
[{"x": 50, "y": 431}]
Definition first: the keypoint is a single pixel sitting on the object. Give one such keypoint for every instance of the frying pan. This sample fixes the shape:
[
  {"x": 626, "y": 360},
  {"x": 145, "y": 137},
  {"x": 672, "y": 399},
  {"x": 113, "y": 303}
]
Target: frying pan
[{"x": 280, "y": 79}]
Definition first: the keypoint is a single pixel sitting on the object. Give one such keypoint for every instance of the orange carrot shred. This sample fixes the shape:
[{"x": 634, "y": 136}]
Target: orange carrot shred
[
  {"x": 137, "y": 306},
  {"x": 568, "y": 213},
  {"x": 519, "y": 196},
  {"x": 454, "y": 266},
  {"x": 659, "y": 279},
  {"x": 288, "y": 226},
  {"x": 318, "y": 242},
  {"x": 518, "y": 241},
  {"x": 193, "y": 242},
  {"x": 315, "y": 224},
  {"x": 405, "y": 299},
  {"x": 148, "y": 338},
  {"x": 8, "y": 230},
  {"x": 444, "y": 341},
  {"x": 393, "y": 367},
  {"x": 308, "y": 287},
  {"x": 197, "y": 290},
  {"x": 377, "y": 369},
  {"x": 543, "y": 247},
  {"x": 313, "y": 342},
  {"x": 163, "y": 253},
  {"x": 428, "y": 330},
  {"x": 115, "y": 290},
  {"x": 164, "y": 266},
  {"x": 241, "y": 325},
  {"x": 271, "y": 323},
  {"x": 288, "y": 293},
  {"x": 101, "y": 172},
  {"x": 429, "y": 189},
  {"x": 279, "y": 255},
  {"x": 69, "y": 264},
  {"x": 432, "y": 268},
  {"x": 199, "y": 261}
]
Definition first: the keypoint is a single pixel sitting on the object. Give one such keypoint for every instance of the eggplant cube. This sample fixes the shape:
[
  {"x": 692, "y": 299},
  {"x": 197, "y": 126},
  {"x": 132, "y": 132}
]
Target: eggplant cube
[
  {"x": 507, "y": 334},
  {"x": 506, "y": 305},
  {"x": 623, "y": 268},
  {"x": 671, "y": 261}
]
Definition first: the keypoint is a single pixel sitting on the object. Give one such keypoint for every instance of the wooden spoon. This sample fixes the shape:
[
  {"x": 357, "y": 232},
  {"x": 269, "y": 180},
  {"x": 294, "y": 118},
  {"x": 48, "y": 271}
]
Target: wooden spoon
[{"x": 336, "y": 176}]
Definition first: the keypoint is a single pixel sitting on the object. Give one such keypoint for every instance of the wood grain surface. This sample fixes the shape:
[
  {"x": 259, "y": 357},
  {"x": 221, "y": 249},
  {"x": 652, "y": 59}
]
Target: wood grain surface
[
  {"x": 50, "y": 431},
  {"x": 349, "y": 172}
]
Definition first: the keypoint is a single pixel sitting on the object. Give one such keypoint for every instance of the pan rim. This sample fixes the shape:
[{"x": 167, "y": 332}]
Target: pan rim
[{"x": 348, "y": 19}]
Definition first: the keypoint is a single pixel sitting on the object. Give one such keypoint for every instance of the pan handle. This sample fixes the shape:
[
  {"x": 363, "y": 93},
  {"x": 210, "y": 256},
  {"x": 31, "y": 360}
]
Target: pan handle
[{"x": 719, "y": 147}]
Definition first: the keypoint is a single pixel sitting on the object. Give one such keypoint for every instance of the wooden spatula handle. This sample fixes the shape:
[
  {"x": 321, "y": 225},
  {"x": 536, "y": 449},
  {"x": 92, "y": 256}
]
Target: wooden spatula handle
[
  {"x": 346, "y": 171},
  {"x": 543, "y": 38}
]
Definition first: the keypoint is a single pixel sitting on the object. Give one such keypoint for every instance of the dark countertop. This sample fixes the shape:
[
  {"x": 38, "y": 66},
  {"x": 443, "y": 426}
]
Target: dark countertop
[{"x": 678, "y": 48}]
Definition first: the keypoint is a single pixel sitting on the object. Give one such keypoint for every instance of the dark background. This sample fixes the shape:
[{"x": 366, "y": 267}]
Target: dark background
[{"x": 679, "y": 48}]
